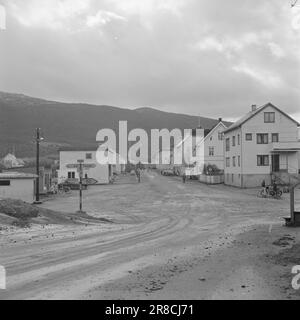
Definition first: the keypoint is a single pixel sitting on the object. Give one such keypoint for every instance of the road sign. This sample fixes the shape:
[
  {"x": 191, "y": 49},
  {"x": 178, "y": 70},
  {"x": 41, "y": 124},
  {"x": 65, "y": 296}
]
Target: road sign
[
  {"x": 80, "y": 165},
  {"x": 72, "y": 166},
  {"x": 89, "y": 181}
]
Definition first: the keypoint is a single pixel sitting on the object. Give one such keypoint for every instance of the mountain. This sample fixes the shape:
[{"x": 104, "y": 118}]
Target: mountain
[{"x": 74, "y": 124}]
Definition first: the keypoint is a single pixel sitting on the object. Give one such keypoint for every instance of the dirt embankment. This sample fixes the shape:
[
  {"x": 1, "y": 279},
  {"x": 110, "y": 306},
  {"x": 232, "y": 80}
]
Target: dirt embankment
[{"x": 21, "y": 214}]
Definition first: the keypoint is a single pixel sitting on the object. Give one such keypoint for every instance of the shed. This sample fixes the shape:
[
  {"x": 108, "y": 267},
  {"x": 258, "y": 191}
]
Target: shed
[{"x": 17, "y": 185}]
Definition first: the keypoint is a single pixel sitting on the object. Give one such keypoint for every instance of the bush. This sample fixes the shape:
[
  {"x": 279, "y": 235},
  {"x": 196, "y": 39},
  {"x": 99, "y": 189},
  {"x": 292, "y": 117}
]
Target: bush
[{"x": 18, "y": 209}]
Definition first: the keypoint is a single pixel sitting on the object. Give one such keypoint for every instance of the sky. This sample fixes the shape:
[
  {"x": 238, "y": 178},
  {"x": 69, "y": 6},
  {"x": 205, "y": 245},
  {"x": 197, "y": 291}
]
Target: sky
[{"x": 202, "y": 57}]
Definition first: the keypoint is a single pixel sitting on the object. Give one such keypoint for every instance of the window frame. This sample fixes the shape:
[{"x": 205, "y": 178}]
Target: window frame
[
  {"x": 268, "y": 118},
  {"x": 71, "y": 174},
  {"x": 227, "y": 162},
  {"x": 88, "y": 156},
  {"x": 262, "y": 162},
  {"x": 5, "y": 183},
  {"x": 227, "y": 144},
  {"x": 247, "y": 135},
  {"x": 263, "y": 140},
  {"x": 275, "y": 135}
]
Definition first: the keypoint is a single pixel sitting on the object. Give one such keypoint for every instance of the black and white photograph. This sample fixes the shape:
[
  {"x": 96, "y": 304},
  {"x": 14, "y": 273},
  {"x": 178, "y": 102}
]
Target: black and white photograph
[{"x": 149, "y": 151}]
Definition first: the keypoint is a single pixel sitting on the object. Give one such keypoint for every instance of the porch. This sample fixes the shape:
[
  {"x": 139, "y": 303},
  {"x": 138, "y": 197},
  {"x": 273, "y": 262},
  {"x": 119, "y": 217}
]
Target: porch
[{"x": 285, "y": 163}]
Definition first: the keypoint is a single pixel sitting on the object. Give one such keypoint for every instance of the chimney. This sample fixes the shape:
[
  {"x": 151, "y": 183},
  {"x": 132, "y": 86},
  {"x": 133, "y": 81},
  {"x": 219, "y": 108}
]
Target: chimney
[
  {"x": 253, "y": 107},
  {"x": 220, "y": 119}
]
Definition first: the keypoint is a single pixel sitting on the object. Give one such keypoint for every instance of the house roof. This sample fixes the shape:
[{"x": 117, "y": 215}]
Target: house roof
[
  {"x": 251, "y": 114},
  {"x": 31, "y": 170},
  {"x": 16, "y": 175},
  {"x": 214, "y": 128},
  {"x": 83, "y": 149}
]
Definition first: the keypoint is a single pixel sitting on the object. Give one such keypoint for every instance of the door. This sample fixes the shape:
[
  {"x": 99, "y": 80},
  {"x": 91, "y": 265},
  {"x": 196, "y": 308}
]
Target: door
[{"x": 275, "y": 163}]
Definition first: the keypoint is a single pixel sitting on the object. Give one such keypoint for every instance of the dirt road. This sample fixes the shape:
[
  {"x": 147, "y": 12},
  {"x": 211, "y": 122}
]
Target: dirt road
[{"x": 167, "y": 240}]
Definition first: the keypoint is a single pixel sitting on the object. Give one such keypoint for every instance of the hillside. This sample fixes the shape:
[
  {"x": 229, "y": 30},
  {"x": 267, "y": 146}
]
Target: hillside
[{"x": 74, "y": 123}]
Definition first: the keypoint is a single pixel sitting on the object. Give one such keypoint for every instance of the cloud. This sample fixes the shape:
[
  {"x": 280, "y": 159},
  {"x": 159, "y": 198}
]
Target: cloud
[
  {"x": 265, "y": 78},
  {"x": 2, "y": 18},
  {"x": 102, "y": 18},
  {"x": 276, "y": 50},
  {"x": 52, "y": 14},
  {"x": 194, "y": 56}
]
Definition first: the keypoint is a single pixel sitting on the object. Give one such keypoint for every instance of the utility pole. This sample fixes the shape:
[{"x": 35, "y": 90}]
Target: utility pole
[
  {"x": 37, "y": 184},
  {"x": 80, "y": 162}
]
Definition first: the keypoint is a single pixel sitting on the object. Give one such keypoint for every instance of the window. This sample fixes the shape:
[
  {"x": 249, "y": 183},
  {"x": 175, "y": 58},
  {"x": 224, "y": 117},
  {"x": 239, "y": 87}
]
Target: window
[
  {"x": 248, "y": 136},
  {"x": 211, "y": 151},
  {"x": 71, "y": 175},
  {"x": 233, "y": 161},
  {"x": 262, "y": 138},
  {"x": 228, "y": 162},
  {"x": 4, "y": 182},
  {"x": 211, "y": 138},
  {"x": 275, "y": 137},
  {"x": 228, "y": 144},
  {"x": 220, "y": 135},
  {"x": 233, "y": 141},
  {"x": 239, "y": 140},
  {"x": 239, "y": 161},
  {"x": 262, "y": 160},
  {"x": 88, "y": 156},
  {"x": 269, "y": 117}
]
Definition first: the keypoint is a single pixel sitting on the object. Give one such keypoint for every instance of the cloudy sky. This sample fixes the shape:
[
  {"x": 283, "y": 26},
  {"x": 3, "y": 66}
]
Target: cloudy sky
[{"x": 202, "y": 57}]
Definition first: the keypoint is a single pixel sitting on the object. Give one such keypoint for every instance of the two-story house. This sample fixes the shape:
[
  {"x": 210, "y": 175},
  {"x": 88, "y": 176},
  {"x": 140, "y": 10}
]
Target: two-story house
[
  {"x": 262, "y": 144},
  {"x": 214, "y": 145},
  {"x": 209, "y": 150}
]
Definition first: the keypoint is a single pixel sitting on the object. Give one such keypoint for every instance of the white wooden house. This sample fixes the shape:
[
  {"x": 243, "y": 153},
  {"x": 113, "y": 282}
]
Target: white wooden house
[{"x": 260, "y": 146}]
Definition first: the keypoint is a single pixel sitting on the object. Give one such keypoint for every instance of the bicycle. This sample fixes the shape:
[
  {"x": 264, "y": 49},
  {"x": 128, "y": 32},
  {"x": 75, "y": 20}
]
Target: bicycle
[{"x": 269, "y": 192}]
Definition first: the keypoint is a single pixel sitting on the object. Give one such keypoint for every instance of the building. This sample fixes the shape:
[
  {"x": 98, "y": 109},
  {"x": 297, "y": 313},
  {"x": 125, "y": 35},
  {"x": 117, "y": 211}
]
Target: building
[
  {"x": 260, "y": 146},
  {"x": 46, "y": 176},
  {"x": 10, "y": 161},
  {"x": 214, "y": 145},
  {"x": 102, "y": 173},
  {"x": 210, "y": 148},
  {"x": 17, "y": 185}
]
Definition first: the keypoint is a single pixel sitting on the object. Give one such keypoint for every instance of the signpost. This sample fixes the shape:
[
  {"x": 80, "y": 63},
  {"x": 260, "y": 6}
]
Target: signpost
[{"x": 80, "y": 165}]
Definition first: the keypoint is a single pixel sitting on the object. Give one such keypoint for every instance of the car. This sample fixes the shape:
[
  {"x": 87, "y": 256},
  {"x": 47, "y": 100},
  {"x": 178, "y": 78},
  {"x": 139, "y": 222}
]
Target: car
[{"x": 167, "y": 172}]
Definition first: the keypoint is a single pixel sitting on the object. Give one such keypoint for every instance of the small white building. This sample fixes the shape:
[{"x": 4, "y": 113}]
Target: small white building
[
  {"x": 17, "y": 185},
  {"x": 101, "y": 173},
  {"x": 10, "y": 161},
  {"x": 262, "y": 144}
]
